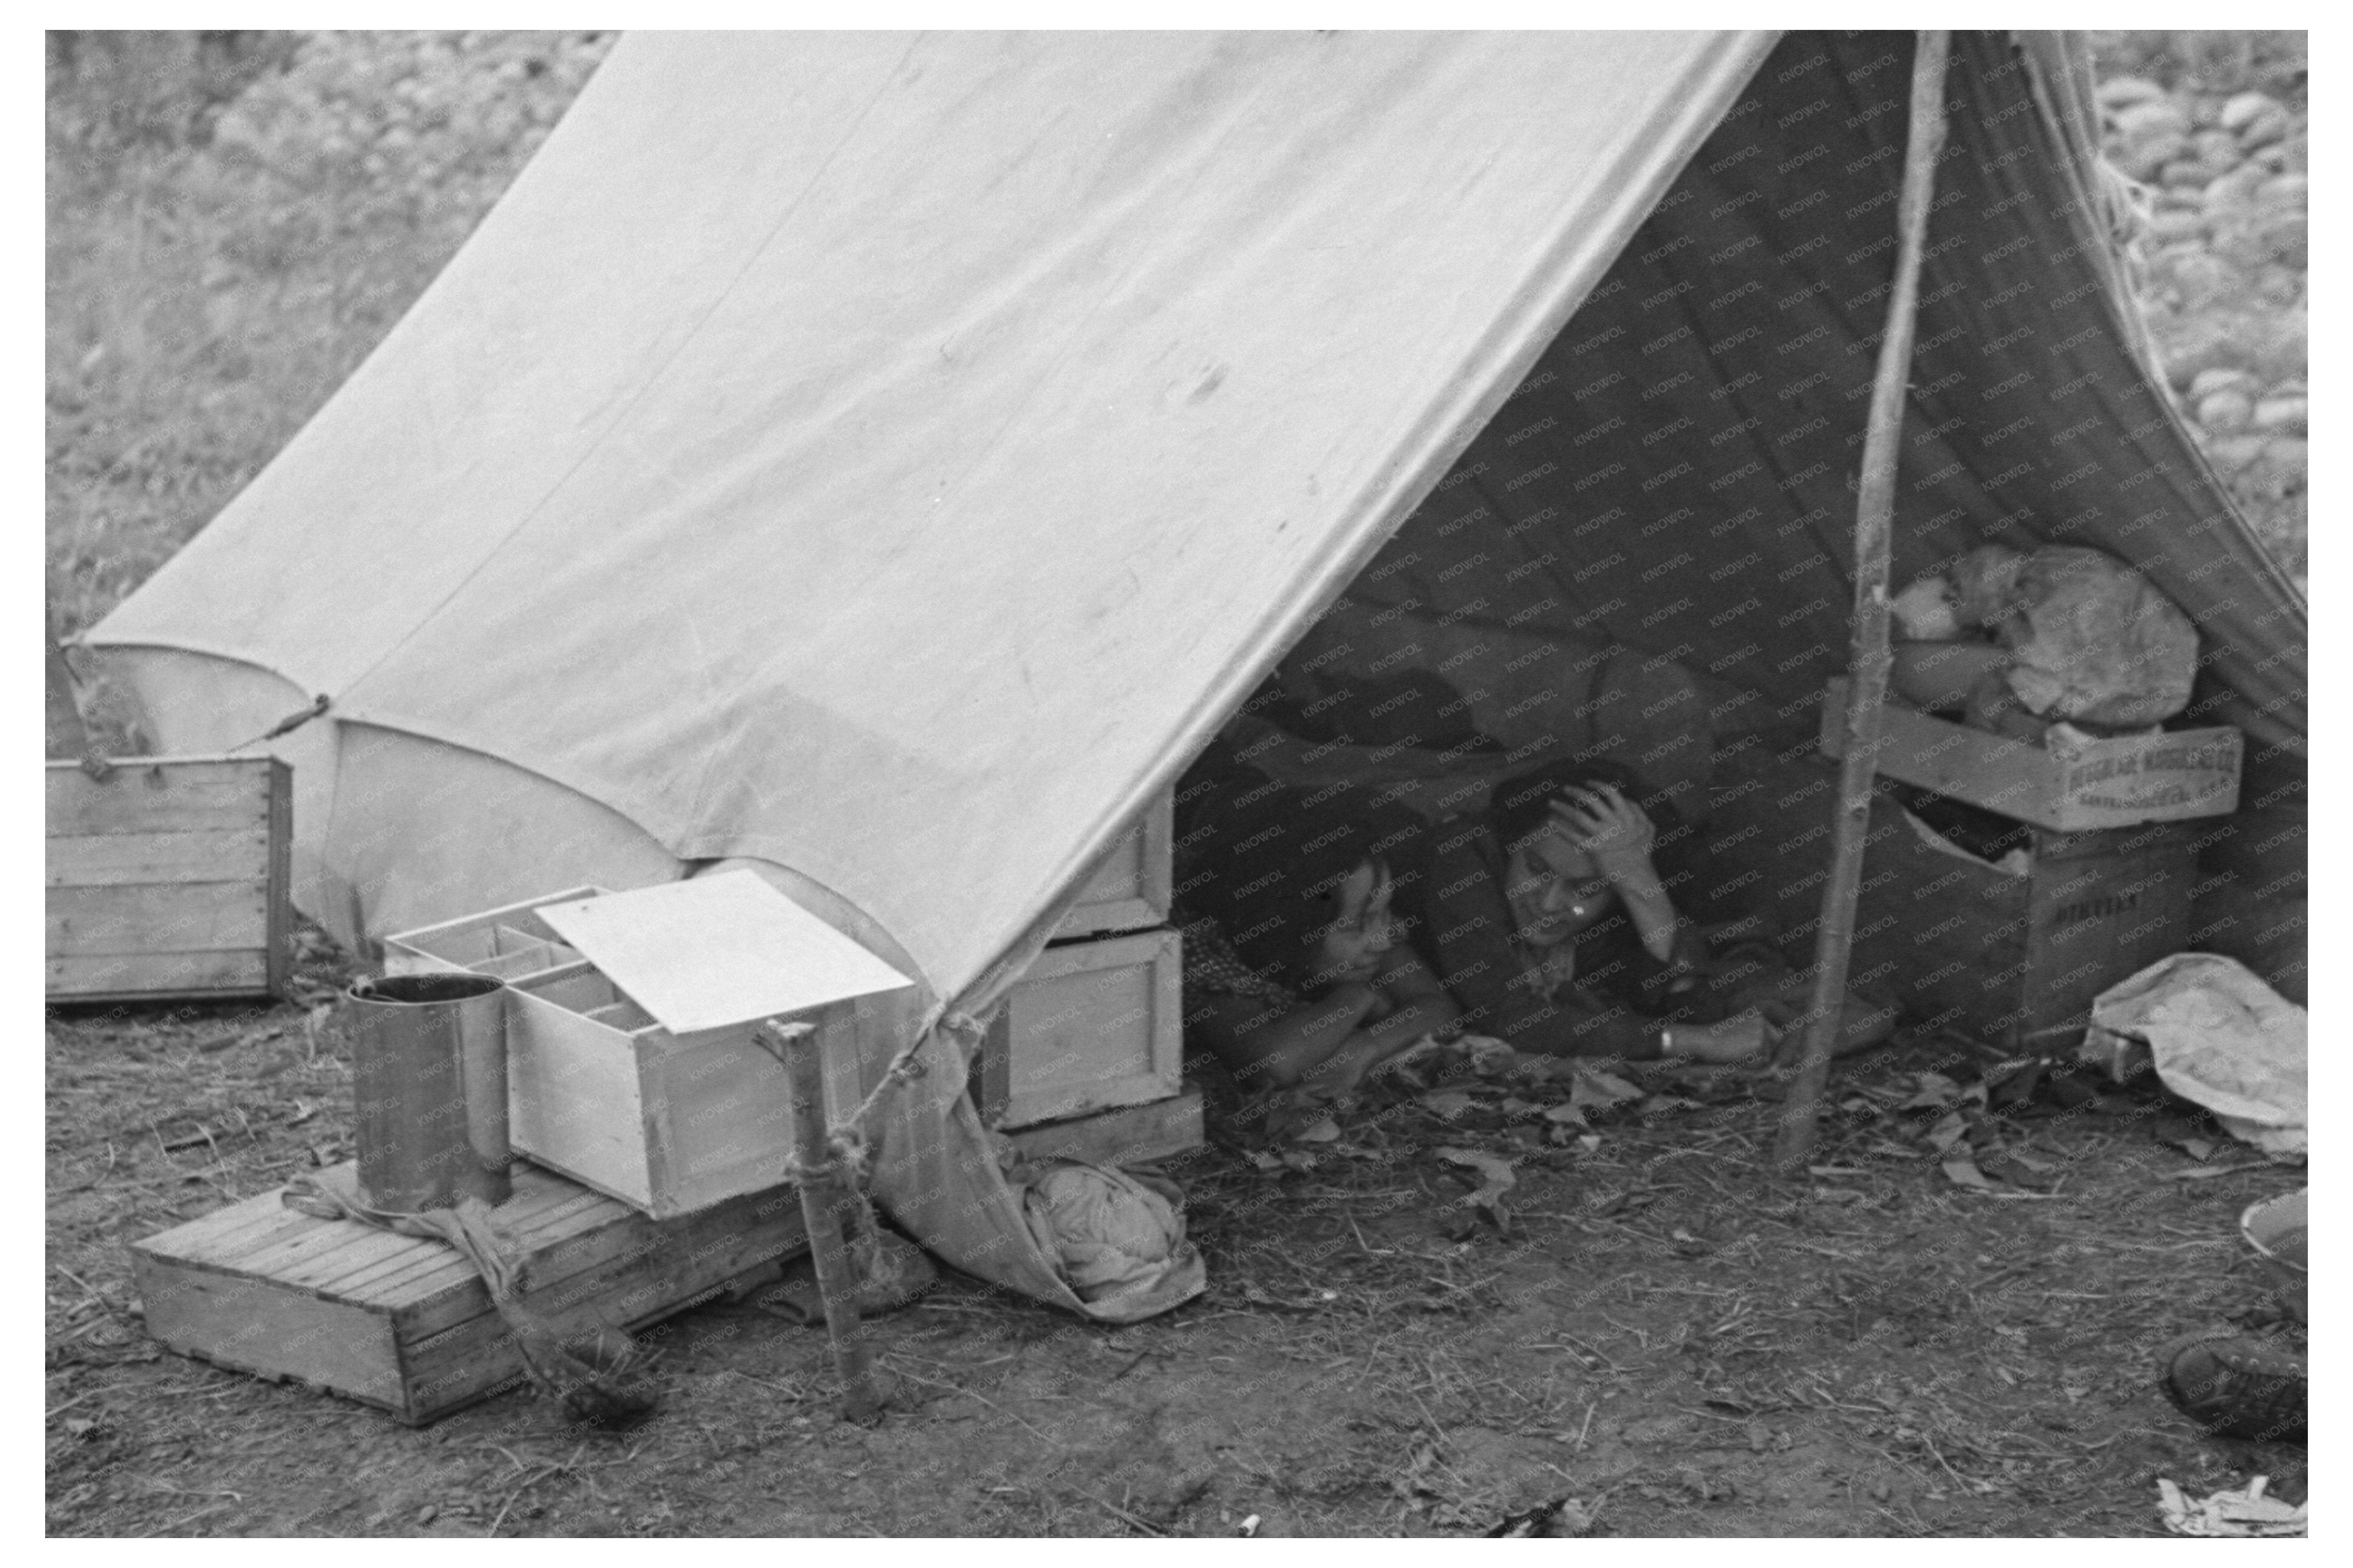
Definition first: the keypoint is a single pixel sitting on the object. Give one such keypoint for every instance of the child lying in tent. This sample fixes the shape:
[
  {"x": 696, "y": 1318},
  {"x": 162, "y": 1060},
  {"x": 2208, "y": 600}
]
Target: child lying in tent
[
  {"x": 1295, "y": 969},
  {"x": 1553, "y": 927}
]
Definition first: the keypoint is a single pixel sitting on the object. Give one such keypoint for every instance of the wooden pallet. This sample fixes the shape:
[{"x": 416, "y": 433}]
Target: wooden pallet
[{"x": 406, "y": 1324}]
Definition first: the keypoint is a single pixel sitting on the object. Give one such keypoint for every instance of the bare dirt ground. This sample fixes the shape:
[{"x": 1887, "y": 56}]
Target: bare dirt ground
[{"x": 1658, "y": 1334}]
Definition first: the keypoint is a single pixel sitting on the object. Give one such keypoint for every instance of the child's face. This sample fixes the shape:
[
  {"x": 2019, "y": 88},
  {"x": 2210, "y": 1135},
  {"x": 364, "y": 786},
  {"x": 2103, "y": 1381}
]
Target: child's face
[
  {"x": 1360, "y": 935},
  {"x": 1555, "y": 889}
]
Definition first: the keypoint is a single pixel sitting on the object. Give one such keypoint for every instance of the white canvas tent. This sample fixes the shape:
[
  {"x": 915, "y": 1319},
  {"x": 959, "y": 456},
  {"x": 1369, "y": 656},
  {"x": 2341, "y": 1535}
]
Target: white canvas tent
[{"x": 888, "y": 458}]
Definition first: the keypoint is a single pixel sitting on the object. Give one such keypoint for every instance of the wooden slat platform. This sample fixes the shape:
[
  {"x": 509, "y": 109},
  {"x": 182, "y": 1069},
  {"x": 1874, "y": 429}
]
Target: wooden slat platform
[{"x": 406, "y": 1324}]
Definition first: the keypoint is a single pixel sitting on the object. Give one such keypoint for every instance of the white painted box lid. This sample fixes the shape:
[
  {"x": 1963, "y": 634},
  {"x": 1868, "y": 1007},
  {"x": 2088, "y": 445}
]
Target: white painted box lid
[{"x": 713, "y": 952}]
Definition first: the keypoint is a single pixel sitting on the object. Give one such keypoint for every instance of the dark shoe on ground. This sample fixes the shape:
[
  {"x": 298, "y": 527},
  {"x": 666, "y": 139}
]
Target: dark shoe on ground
[{"x": 2235, "y": 1387}]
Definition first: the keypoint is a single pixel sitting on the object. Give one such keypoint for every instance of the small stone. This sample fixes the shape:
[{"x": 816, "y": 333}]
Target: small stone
[
  {"x": 2285, "y": 190},
  {"x": 2217, "y": 147},
  {"x": 2279, "y": 286},
  {"x": 2285, "y": 237},
  {"x": 2232, "y": 453},
  {"x": 2229, "y": 409},
  {"x": 2282, "y": 414},
  {"x": 2239, "y": 110},
  {"x": 2120, "y": 93},
  {"x": 2150, "y": 118},
  {"x": 2200, "y": 279},
  {"x": 2142, "y": 158},
  {"x": 2255, "y": 118},
  {"x": 2234, "y": 190},
  {"x": 2265, "y": 129},
  {"x": 2207, "y": 382},
  {"x": 2189, "y": 345},
  {"x": 427, "y": 1514},
  {"x": 2289, "y": 454}
]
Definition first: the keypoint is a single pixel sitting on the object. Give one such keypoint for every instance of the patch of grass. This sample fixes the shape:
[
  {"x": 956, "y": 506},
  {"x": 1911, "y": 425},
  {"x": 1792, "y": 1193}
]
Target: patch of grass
[{"x": 234, "y": 221}]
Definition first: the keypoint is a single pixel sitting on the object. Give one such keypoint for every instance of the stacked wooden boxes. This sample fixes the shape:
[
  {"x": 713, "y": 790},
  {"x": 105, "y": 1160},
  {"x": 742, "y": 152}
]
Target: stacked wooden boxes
[
  {"x": 168, "y": 876},
  {"x": 1093, "y": 1031},
  {"x": 2015, "y": 952}
]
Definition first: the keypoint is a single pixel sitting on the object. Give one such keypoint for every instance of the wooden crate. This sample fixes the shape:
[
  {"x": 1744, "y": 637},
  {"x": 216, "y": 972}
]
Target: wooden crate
[
  {"x": 169, "y": 877},
  {"x": 598, "y": 1089},
  {"x": 2016, "y": 960},
  {"x": 1091, "y": 1026},
  {"x": 2012, "y": 958},
  {"x": 2117, "y": 782},
  {"x": 1131, "y": 1135},
  {"x": 1129, "y": 887},
  {"x": 405, "y": 1324}
]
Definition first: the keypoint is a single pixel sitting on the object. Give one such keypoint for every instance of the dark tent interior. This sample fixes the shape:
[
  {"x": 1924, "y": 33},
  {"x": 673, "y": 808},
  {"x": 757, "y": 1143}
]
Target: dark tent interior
[{"x": 1647, "y": 553}]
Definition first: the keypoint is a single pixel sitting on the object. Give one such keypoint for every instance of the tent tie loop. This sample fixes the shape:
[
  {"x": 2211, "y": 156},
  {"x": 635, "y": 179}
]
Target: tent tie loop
[
  {"x": 288, "y": 725},
  {"x": 848, "y": 1152}
]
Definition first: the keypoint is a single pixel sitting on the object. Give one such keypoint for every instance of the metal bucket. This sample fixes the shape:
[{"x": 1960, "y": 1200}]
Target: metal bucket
[
  {"x": 2275, "y": 1229},
  {"x": 430, "y": 1075}
]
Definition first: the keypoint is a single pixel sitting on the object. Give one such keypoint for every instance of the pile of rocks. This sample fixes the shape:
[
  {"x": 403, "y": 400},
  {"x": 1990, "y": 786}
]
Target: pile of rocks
[{"x": 2223, "y": 274}]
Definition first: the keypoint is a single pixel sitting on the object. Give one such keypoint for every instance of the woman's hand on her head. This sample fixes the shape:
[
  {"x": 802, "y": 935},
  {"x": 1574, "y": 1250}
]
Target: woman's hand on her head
[{"x": 1603, "y": 823}]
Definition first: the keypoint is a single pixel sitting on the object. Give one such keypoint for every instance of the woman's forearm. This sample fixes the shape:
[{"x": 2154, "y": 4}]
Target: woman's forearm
[{"x": 1648, "y": 906}]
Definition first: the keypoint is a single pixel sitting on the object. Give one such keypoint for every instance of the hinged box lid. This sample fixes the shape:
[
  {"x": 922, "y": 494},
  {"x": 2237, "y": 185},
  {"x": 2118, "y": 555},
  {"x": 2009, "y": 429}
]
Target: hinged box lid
[{"x": 713, "y": 952}]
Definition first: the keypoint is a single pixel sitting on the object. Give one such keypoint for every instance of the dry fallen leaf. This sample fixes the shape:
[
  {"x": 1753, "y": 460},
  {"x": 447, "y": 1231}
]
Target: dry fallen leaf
[
  {"x": 1949, "y": 1131},
  {"x": 1495, "y": 1180},
  {"x": 1962, "y": 1170},
  {"x": 1593, "y": 1088}
]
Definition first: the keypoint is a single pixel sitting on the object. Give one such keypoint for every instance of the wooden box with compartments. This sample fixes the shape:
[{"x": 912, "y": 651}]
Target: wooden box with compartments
[{"x": 631, "y": 1062}]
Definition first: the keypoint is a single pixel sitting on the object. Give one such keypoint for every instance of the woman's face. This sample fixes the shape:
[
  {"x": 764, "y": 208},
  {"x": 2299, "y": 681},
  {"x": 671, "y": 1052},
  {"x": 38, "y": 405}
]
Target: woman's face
[
  {"x": 1555, "y": 889},
  {"x": 1360, "y": 935}
]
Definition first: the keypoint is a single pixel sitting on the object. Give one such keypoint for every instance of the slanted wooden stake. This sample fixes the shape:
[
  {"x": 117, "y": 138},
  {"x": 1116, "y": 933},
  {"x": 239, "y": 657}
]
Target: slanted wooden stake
[
  {"x": 825, "y": 1197},
  {"x": 1874, "y": 511}
]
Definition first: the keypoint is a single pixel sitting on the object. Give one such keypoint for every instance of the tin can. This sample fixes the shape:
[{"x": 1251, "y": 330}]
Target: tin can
[{"x": 429, "y": 1079}]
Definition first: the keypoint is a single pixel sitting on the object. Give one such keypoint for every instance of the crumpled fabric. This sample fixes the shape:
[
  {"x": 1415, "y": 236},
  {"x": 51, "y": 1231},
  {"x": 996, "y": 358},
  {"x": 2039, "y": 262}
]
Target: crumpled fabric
[
  {"x": 2089, "y": 637},
  {"x": 2240, "y": 1512},
  {"x": 2216, "y": 1034},
  {"x": 1113, "y": 1234}
]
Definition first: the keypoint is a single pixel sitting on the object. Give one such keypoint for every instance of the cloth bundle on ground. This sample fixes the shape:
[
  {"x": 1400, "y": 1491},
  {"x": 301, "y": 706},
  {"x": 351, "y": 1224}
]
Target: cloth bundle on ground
[
  {"x": 1117, "y": 1235},
  {"x": 2216, "y": 1034},
  {"x": 2089, "y": 639}
]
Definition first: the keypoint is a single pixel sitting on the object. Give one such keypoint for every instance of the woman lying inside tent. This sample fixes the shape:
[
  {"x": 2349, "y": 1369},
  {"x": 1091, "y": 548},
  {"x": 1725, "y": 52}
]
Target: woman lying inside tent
[
  {"x": 1552, "y": 924},
  {"x": 1295, "y": 969}
]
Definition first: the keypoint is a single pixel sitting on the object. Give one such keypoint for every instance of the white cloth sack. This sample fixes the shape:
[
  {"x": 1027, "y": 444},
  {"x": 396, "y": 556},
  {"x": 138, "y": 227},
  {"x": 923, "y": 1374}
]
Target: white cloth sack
[
  {"x": 2216, "y": 1034},
  {"x": 1112, "y": 1234}
]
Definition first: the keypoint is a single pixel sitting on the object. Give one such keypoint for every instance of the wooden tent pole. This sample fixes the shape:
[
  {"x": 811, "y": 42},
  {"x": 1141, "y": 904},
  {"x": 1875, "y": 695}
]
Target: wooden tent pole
[
  {"x": 824, "y": 1197},
  {"x": 1867, "y": 683}
]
